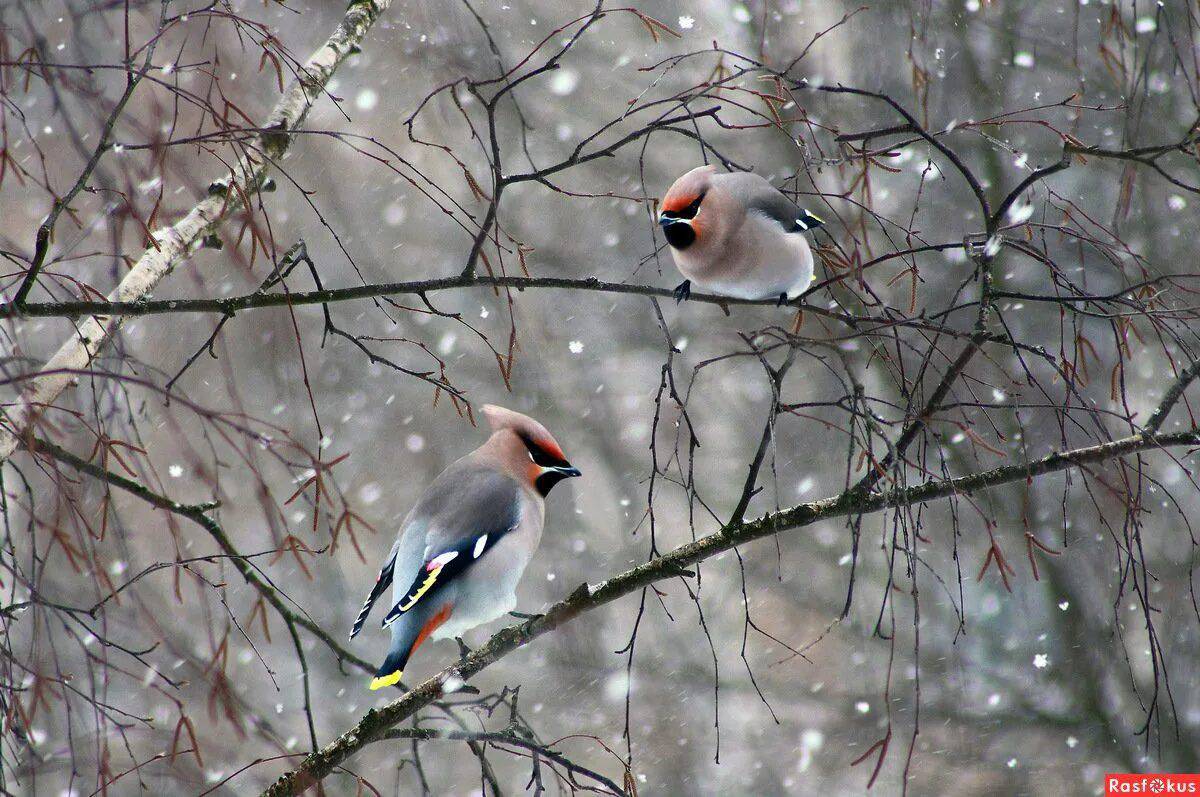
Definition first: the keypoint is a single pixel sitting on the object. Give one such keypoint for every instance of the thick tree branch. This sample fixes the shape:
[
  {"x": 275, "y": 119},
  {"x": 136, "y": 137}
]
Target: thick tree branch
[
  {"x": 233, "y": 304},
  {"x": 377, "y": 723},
  {"x": 171, "y": 245}
]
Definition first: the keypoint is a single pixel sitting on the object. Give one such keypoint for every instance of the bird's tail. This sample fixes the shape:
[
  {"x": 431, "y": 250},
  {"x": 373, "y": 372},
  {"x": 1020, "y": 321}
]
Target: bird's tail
[
  {"x": 393, "y": 667},
  {"x": 407, "y": 635}
]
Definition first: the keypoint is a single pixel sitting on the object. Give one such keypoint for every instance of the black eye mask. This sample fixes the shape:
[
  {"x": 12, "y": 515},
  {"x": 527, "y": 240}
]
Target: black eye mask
[
  {"x": 688, "y": 212},
  {"x": 541, "y": 458}
]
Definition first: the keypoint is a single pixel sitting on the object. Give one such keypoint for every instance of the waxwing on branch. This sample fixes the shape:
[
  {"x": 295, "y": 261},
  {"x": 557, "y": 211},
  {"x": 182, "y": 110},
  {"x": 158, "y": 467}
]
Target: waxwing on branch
[
  {"x": 464, "y": 545},
  {"x": 735, "y": 234}
]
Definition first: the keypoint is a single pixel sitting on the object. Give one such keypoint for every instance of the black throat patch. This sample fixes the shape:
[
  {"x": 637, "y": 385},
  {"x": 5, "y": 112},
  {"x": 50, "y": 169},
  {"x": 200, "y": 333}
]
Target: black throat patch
[
  {"x": 679, "y": 235},
  {"x": 545, "y": 483}
]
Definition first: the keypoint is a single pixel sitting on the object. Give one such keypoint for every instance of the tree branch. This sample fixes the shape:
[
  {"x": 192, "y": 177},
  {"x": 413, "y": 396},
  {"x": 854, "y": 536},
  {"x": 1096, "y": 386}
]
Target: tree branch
[
  {"x": 377, "y": 723},
  {"x": 171, "y": 245}
]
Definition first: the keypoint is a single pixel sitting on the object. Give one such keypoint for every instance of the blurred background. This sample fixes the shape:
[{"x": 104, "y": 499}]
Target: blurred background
[{"x": 1038, "y": 689}]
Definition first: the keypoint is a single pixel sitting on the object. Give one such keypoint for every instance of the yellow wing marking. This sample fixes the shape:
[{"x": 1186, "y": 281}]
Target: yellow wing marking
[{"x": 429, "y": 582}]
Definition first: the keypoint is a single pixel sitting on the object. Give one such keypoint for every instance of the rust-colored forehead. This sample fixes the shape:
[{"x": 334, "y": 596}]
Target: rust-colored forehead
[
  {"x": 550, "y": 446},
  {"x": 687, "y": 189},
  {"x": 522, "y": 425},
  {"x": 678, "y": 198}
]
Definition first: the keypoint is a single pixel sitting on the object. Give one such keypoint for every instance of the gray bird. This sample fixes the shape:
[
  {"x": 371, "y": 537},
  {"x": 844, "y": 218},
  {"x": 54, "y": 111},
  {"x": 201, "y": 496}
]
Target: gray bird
[
  {"x": 463, "y": 547},
  {"x": 735, "y": 234}
]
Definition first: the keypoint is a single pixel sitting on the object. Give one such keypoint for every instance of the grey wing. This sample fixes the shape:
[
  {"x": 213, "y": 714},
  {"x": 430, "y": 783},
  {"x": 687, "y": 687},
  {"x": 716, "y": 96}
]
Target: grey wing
[
  {"x": 466, "y": 511},
  {"x": 764, "y": 198},
  {"x": 777, "y": 207}
]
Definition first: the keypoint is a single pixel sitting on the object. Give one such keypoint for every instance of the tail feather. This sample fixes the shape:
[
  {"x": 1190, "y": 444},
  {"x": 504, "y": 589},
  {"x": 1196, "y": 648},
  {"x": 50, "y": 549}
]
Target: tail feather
[
  {"x": 407, "y": 636},
  {"x": 381, "y": 583},
  {"x": 393, "y": 667}
]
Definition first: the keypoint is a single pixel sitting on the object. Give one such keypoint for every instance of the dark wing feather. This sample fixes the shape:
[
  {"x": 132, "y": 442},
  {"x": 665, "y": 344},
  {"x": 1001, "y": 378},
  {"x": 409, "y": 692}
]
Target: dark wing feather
[
  {"x": 463, "y": 527},
  {"x": 776, "y": 206},
  {"x": 764, "y": 198},
  {"x": 381, "y": 583}
]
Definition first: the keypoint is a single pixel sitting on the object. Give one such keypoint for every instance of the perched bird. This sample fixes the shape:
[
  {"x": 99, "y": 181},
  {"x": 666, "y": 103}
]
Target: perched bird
[
  {"x": 737, "y": 235},
  {"x": 463, "y": 547}
]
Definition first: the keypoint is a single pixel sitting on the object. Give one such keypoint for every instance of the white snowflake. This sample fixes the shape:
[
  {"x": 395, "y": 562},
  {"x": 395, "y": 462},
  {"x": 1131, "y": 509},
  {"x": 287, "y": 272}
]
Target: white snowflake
[
  {"x": 1020, "y": 212},
  {"x": 366, "y": 100},
  {"x": 176, "y": 471},
  {"x": 1041, "y": 661},
  {"x": 564, "y": 82},
  {"x": 686, "y": 22},
  {"x": 576, "y": 346}
]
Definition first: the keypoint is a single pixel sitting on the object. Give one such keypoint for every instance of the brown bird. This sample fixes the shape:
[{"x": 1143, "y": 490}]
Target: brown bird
[
  {"x": 463, "y": 547},
  {"x": 735, "y": 234}
]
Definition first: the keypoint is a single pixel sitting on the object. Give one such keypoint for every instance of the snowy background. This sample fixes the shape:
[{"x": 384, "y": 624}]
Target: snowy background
[{"x": 1031, "y": 697}]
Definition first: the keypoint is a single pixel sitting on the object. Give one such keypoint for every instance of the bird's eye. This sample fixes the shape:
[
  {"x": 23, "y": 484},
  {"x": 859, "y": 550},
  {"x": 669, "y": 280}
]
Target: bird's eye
[
  {"x": 539, "y": 456},
  {"x": 692, "y": 209}
]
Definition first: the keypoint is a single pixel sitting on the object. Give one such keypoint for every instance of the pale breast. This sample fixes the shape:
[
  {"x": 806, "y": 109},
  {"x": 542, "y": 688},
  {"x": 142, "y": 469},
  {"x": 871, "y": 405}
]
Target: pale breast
[
  {"x": 487, "y": 591},
  {"x": 759, "y": 262}
]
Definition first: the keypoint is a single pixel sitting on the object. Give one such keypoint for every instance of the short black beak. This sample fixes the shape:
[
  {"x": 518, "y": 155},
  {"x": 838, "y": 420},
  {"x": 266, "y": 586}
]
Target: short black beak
[{"x": 553, "y": 475}]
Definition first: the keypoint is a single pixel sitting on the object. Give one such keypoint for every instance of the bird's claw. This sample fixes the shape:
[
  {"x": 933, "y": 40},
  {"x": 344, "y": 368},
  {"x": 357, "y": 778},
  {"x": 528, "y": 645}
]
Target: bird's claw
[
  {"x": 463, "y": 650},
  {"x": 783, "y": 299},
  {"x": 682, "y": 291}
]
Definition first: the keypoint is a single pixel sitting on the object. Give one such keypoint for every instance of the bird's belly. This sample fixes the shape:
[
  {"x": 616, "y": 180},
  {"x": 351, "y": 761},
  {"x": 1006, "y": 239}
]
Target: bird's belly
[
  {"x": 754, "y": 272},
  {"x": 487, "y": 590}
]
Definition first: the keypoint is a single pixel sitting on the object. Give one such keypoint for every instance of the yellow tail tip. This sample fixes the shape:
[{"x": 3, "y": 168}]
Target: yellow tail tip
[{"x": 386, "y": 680}]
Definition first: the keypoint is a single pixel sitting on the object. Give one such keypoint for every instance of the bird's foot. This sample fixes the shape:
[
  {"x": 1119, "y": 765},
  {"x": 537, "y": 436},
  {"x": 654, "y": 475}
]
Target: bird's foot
[
  {"x": 463, "y": 650},
  {"x": 783, "y": 299},
  {"x": 683, "y": 291}
]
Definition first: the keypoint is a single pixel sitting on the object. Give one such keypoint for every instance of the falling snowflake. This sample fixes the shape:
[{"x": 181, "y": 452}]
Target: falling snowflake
[
  {"x": 576, "y": 346},
  {"x": 1064, "y": 605},
  {"x": 1023, "y": 59},
  {"x": 862, "y": 707},
  {"x": 366, "y": 100},
  {"x": 564, "y": 82},
  {"x": 1020, "y": 212},
  {"x": 176, "y": 471},
  {"x": 686, "y": 22},
  {"x": 1041, "y": 661}
]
